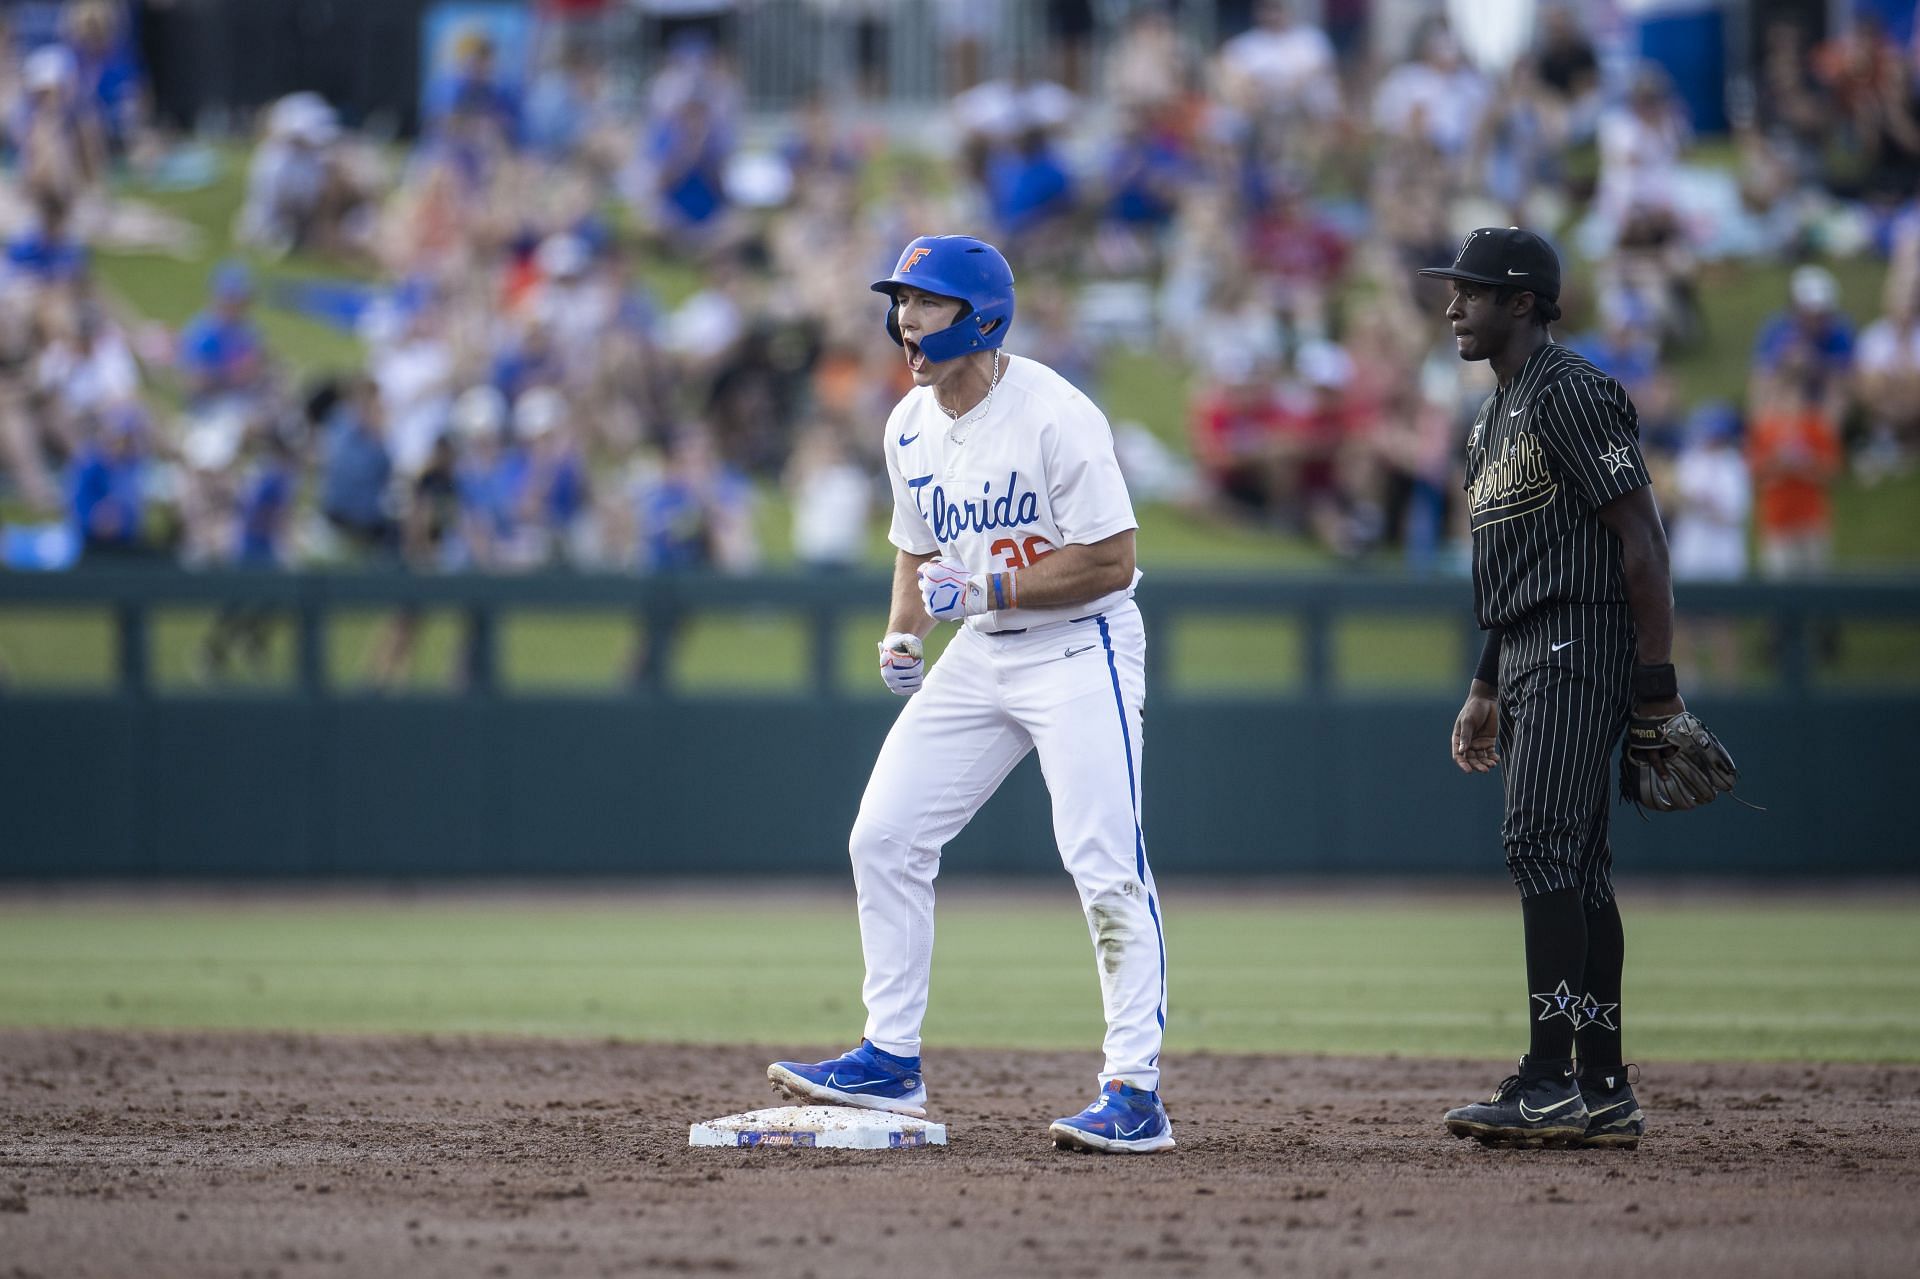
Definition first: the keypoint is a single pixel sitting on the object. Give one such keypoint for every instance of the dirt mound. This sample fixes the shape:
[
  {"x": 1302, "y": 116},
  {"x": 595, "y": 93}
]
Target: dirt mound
[{"x": 290, "y": 1155}]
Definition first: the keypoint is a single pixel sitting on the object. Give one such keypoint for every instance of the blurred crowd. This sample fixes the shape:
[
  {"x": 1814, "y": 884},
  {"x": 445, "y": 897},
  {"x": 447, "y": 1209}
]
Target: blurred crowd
[{"x": 1243, "y": 220}]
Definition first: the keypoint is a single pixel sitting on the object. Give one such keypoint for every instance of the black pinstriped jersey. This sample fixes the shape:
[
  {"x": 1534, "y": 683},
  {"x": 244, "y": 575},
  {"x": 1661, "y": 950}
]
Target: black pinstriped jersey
[{"x": 1550, "y": 448}]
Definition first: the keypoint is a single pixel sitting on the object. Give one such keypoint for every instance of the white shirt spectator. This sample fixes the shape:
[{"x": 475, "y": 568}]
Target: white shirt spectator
[
  {"x": 1709, "y": 533},
  {"x": 1886, "y": 347},
  {"x": 1444, "y": 105},
  {"x": 1004, "y": 109},
  {"x": 1639, "y": 158},
  {"x": 1292, "y": 67},
  {"x": 91, "y": 379}
]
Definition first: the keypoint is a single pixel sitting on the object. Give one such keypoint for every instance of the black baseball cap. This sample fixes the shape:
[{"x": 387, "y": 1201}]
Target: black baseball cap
[{"x": 1507, "y": 257}]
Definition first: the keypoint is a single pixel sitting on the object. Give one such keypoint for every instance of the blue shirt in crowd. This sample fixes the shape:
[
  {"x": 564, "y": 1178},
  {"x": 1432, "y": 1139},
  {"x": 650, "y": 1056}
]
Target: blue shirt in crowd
[
  {"x": 355, "y": 469},
  {"x": 106, "y": 496}
]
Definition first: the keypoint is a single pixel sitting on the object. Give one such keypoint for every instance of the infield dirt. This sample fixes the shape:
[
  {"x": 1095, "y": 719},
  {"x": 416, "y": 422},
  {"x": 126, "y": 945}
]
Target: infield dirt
[{"x": 282, "y": 1156}]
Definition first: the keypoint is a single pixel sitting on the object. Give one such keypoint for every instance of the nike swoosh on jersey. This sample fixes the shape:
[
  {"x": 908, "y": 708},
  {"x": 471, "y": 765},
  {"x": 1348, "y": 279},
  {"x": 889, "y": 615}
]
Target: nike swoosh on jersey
[
  {"x": 1555, "y": 648},
  {"x": 1529, "y": 1114},
  {"x": 1517, "y": 412},
  {"x": 1075, "y": 652},
  {"x": 906, "y": 439}
]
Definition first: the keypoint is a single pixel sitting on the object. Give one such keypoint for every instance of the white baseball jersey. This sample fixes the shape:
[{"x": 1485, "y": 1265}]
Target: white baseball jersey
[
  {"x": 1022, "y": 474},
  {"x": 1030, "y": 472}
]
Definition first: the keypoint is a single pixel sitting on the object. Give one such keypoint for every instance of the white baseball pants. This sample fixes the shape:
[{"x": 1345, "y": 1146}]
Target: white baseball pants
[{"x": 1073, "y": 691}]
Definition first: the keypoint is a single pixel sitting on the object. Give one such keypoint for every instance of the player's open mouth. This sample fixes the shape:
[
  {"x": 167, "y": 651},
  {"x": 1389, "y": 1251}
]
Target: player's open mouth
[{"x": 916, "y": 358}]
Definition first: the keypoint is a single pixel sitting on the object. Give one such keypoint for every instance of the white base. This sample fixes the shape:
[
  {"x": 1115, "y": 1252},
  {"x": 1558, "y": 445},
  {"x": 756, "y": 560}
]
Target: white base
[{"x": 830, "y": 1127}]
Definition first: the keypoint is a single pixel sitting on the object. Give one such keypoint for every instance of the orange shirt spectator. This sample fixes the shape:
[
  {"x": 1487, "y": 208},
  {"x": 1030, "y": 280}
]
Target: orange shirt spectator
[{"x": 1794, "y": 453}]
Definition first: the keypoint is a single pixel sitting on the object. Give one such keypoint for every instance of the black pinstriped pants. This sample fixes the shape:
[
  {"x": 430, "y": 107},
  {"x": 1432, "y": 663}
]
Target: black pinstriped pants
[{"x": 1566, "y": 681}]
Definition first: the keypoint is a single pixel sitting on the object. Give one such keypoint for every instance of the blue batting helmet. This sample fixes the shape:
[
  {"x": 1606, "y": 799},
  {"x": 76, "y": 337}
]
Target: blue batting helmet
[{"x": 955, "y": 266}]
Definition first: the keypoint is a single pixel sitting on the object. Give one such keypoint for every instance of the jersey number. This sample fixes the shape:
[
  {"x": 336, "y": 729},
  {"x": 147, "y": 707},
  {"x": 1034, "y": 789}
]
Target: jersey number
[{"x": 1036, "y": 548}]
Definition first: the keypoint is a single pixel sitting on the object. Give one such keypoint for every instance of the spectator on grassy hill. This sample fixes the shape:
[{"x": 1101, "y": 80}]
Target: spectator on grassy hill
[
  {"x": 223, "y": 356},
  {"x": 695, "y": 512},
  {"x": 1710, "y": 499},
  {"x": 107, "y": 483},
  {"x": 1806, "y": 352},
  {"x": 1436, "y": 95},
  {"x": 554, "y": 498},
  {"x": 300, "y": 193},
  {"x": 1030, "y": 193},
  {"x": 1147, "y": 170},
  {"x": 411, "y": 359},
  {"x": 356, "y": 470},
  {"x": 491, "y": 479},
  {"x": 994, "y": 116},
  {"x": 84, "y": 367},
  {"x": 58, "y": 142},
  {"x": 107, "y": 75},
  {"x": 45, "y": 253},
  {"x": 1793, "y": 451},
  {"x": 1300, "y": 255},
  {"x": 1237, "y": 430},
  {"x": 687, "y": 154},
  {"x": 1286, "y": 62},
  {"x": 1149, "y": 67},
  {"x": 1567, "y": 70},
  {"x": 1887, "y": 385},
  {"x": 1869, "y": 94},
  {"x": 832, "y": 497},
  {"x": 472, "y": 96}
]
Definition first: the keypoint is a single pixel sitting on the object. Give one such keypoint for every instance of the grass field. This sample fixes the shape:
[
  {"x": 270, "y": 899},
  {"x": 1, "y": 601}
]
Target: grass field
[{"x": 1714, "y": 978}]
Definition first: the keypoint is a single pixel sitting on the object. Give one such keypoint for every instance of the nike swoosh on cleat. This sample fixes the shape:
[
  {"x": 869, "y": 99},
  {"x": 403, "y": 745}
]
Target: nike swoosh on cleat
[
  {"x": 831, "y": 1082},
  {"x": 1595, "y": 1114},
  {"x": 1129, "y": 1135},
  {"x": 1530, "y": 1115}
]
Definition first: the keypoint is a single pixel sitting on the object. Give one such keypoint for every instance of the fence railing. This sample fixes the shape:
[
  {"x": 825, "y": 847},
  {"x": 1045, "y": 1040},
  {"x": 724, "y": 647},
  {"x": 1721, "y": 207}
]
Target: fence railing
[{"x": 1797, "y": 618}]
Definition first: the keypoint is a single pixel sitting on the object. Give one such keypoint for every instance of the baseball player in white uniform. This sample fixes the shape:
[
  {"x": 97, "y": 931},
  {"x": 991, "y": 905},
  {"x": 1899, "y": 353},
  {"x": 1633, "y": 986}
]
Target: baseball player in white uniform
[{"x": 1011, "y": 519}]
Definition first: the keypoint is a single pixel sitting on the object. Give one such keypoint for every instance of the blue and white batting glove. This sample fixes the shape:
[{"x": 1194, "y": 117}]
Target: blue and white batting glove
[
  {"x": 951, "y": 593},
  {"x": 901, "y": 666}
]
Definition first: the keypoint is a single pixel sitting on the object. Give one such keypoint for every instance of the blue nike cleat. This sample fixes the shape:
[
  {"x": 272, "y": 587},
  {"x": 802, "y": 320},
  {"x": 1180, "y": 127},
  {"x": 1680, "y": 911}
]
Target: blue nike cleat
[
  {"x": 865, "y": 1077},
  {"x": 1121, "y": 1120}
]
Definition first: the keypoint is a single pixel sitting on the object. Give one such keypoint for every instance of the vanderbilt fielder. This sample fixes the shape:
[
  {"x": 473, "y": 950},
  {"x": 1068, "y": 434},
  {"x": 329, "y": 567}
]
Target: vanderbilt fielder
[
  {"x": 1571, "y": 585},
  {"x": 1012, "y": 519}
]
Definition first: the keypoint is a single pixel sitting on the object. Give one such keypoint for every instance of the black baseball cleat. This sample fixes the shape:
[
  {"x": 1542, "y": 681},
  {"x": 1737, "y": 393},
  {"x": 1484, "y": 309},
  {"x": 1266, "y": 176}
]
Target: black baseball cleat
[
  {"x": 1614, "y": 1117},
  {"x": 1527, "y": 1109}
]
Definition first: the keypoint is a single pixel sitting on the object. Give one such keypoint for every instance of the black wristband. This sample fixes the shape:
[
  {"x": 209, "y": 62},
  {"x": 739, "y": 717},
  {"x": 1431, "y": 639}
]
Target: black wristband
[
  {"x": 1654, "y": 683},
  {"x": 1488, "y": 672}
]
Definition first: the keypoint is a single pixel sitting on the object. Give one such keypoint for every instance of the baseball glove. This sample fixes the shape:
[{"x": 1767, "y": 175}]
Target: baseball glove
[{"x": 1673, "y": 763}]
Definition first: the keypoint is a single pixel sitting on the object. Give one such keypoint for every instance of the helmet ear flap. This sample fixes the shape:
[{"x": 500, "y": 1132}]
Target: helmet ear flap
[{"x": 893, "y": 320}]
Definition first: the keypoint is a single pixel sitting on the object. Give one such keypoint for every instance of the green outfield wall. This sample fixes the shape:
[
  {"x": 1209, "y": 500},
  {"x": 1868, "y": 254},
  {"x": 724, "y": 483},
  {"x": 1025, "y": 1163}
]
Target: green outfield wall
[{"x": 1293, "y": 725}]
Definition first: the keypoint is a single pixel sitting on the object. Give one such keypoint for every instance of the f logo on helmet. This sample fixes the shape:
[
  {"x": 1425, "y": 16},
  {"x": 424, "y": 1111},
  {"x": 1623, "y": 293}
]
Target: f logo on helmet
[{"x": 914, "y": 257}]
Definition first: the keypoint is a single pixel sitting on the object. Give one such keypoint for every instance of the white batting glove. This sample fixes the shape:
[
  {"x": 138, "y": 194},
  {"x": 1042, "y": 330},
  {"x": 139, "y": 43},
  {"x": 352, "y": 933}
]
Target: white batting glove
[
  {"x": 950, "y": 592},
  {"x": 901, "y": 667}
]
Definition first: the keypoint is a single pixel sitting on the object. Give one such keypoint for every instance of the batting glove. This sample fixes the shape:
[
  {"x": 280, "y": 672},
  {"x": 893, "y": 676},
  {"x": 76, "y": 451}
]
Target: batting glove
[
  {"x": 901, "y": 667},
  {"x": 951, "y": 593}
]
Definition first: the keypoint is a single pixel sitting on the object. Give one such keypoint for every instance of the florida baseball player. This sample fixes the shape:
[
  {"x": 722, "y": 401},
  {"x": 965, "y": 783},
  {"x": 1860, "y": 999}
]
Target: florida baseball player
[
  {"x": 1570, "y": 581},
  {"x": 1012, "y": 519}
]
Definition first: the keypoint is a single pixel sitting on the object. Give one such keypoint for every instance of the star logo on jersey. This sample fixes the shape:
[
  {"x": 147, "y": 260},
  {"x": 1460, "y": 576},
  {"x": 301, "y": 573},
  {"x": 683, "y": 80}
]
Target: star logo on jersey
[
  {"x": 1594, "y": 1013},
  {"x": 1559, "y": 1002},
  {"x": 1617, "y": 460}
]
